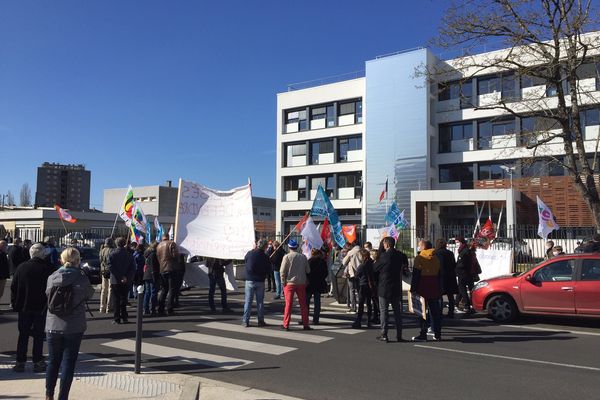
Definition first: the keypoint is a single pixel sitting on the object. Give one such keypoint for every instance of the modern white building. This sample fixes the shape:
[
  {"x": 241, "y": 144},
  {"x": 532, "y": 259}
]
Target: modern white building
[{"x": 444, "y": 156}]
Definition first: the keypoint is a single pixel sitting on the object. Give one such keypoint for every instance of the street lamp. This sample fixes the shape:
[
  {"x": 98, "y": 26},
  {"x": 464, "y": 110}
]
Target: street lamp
[{"x": 510, "y": 169}]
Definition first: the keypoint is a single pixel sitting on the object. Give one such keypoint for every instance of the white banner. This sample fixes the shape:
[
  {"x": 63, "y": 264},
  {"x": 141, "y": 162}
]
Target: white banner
[
  {"x": 494, "y": 262},
  {"x": 212, "y": 223},
  {"x": 196, "y": 275}
]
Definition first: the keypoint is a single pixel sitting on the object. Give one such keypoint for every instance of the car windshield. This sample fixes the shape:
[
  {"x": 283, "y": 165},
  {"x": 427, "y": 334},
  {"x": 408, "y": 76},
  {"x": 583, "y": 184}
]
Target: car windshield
[{"x": 88, "y": 253}]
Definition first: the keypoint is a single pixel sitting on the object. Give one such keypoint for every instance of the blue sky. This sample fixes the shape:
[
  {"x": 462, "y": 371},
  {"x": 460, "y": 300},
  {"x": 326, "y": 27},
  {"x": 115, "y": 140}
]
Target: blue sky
[{"x": 145, "y": 91}]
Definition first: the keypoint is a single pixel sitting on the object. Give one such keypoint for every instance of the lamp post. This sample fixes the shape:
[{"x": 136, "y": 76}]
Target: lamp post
[{"x": 510, "y": 169}]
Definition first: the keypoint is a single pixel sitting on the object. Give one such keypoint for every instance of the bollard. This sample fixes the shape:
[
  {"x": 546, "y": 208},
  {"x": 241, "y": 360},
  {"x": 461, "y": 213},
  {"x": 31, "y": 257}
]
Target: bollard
[{"x": 138, "y": 329}]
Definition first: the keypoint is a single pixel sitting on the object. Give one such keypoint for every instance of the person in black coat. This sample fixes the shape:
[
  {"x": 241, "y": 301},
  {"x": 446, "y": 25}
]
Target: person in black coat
[
  {"x": 464, "y": 263},
  {"x": 276, "y": 260},
  {"x": 16, "y": 256},
  {"x": 388, "y": 271},
  {"x": 448, "y": 272},
  {"x": 151, "y": 278},
  {"x": 366, "y": 287},
  {"x": 216, "y": 276},
  {"x": 4, "y": 266},
  {"x": 317, "y": 282},
  {"x": 122, "y": 271}
]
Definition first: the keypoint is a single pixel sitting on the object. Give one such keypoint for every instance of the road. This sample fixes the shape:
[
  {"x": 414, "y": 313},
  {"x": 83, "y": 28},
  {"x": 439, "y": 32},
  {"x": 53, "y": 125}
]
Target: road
[{"x": 534, "y": 358}]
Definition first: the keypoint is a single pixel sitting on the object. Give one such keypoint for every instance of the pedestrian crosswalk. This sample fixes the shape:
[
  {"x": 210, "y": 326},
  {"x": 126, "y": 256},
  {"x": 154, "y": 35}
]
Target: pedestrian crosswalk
[{"x": 217, "y": 336}]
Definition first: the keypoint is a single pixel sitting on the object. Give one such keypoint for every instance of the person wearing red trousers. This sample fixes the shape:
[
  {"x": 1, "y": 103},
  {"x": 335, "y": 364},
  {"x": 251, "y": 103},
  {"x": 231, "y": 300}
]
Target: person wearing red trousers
[{"x": 294, "y": 270}]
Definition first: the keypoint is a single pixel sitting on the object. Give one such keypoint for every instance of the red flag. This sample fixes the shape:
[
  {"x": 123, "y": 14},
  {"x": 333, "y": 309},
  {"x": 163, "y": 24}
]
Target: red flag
[
  {"x": 64, "y": 215},
  {"x": 349, "y": 232},
  {"x": 326, "y": 234},
  {"x": 486, "y": 234},
  {"x": 384, "y": 192},
  {"x": 300, "y": 225}
]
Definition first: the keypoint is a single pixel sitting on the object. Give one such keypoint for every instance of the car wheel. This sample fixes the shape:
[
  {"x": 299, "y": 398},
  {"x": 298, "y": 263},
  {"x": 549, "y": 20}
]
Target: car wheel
[{"x": 502, "y": 308}]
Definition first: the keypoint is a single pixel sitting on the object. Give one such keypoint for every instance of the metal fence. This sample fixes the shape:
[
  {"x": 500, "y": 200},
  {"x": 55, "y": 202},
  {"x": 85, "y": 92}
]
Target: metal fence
[{"x": 89, "y": 237}]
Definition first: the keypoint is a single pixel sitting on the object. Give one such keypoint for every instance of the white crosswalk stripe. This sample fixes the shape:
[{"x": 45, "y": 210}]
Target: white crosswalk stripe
[
  {"x": 216, "y": 340},
  {"x": 195, "y": 357},
  {"x": 297, "y": 336},
  {"x": 327, "y": 328}
]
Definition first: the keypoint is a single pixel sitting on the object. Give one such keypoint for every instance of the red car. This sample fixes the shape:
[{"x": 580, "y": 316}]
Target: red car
[{"x": 566, "y": 285}]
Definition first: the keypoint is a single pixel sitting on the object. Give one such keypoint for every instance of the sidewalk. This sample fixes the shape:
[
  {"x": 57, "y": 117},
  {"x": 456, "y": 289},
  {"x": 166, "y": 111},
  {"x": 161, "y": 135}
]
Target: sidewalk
[{"x": 103, "y": 379}]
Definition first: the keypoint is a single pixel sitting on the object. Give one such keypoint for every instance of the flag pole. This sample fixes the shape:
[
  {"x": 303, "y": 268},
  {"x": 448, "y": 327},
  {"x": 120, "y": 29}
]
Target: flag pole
[
  {"x": 290, "y": 234},
  {"x": 63, "y": 224},
  {"x": 112, "y": 232},
  {"x": 386, "y": 194}
]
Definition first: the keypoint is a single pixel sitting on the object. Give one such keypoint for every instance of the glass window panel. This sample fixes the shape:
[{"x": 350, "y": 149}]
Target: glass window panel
[
  {"x": 302, "y": 183},
  {"x": 592, "y": 117},
  {"x": 346, "y": 108},
  {"x": 586, "y": 71},
  {"x": 330, "y": 116},
  {"x": 590, "y": 270},
  {"x": 537, "y": 168},
  {"x": 318, "y": 111},
  {"x": 488, "y": 85}
]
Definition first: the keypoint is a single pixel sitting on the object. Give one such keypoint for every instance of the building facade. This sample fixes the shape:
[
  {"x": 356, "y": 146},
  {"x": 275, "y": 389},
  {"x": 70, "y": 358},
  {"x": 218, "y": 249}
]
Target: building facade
[
  {"x": 65, "y": 185},
  {"x": 443, "y": 146}
]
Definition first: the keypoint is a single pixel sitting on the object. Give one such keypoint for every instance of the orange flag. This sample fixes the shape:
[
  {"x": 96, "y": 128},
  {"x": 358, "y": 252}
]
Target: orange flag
[{"x": 349, "y": 232}]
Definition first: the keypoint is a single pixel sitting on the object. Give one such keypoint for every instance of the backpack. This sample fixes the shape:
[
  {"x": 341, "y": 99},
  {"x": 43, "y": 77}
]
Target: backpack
[{"x": 60, "y": 301}]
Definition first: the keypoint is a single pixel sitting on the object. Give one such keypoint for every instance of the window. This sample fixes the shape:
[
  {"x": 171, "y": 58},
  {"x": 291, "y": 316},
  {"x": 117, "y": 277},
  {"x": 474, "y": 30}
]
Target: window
[
  {"x": 295, "y": 150},
  {"x": 530, "y": 81},
  {"x": 359, "y": 112},
  {"x": 298, "y": 116},
  {"x": 318, "y": 148},
  {"x": 457, "y": 90},
  {"x": 299, "y": 184},
  {"x": 347, "y": 108},
  {"x": 488, "y": 85},
  {"x": 348, "y": 144},
  {"x": 353, "y": 180},
  {"x": 456, "y": 173},
  {"x": 318, "y": 113},
  {"x": 533, "y": 169},
  {"x": 560, "y": 271},
  {"x": 590, "y": 117},
  {"x": 327, "y": 182},
  {"x": 510, "y": 90},
  {"x": 555, "y": 168},
  {"x": 455, "y": 137},
  {"x": 488, "y": 129},
  {"x": 590, "y": 270},
  {"x": 491, "y": 171},
  {"x": 330, "y": 116}
]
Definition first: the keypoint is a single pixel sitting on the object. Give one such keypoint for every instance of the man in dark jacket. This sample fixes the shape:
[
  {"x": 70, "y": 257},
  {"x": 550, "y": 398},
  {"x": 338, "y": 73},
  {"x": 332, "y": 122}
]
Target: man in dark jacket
[
  {"x": 276, "y": 259},
  {"x": 28, "y": 298},
  {"x": 4, "y": 266},
  {"x": 216, "y": 276},
  {"x": 463, "y": 272},
  {"x": 122, "y": 270},
  {"x": 167, "y": 253},
  {"x": 448, "y": 271},
  {"x": 257, "y": 266},
  {"x": 16, "y": 255},
  {"x": 388, "y": 270}
]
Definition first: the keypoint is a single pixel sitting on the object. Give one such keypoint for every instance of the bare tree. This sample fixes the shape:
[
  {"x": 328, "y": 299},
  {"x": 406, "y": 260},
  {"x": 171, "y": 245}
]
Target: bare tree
[
  {"x": 10, "y": 199},
  {"x": 550, "y": 55},
  {"x": 25, "y": 195}
]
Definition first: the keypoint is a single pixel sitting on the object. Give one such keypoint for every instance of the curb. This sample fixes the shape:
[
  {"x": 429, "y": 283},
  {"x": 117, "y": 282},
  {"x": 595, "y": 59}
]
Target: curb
[{"x": 191, "y": 389}]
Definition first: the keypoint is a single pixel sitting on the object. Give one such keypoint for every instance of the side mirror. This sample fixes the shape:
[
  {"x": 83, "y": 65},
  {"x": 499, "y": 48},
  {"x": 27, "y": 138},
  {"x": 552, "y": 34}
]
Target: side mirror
[{"x": 528, "y": 278}]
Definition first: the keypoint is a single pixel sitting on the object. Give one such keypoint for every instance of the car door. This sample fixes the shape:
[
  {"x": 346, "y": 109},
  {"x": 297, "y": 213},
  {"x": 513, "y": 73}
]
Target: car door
[
  {"x": 550, "y": 289},
  {"x": 587, "y": 288}
]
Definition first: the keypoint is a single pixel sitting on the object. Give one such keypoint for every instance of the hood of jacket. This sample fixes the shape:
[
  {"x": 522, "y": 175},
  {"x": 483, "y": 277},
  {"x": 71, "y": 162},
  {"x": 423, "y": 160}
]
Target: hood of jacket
[
  {"x": 66, "y": 276},
  {"x": 427, "y": 254}
]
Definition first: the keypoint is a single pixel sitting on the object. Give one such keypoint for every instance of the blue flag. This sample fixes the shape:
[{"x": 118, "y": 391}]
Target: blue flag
[
  {"x": 148, "y": 232},
  {"x": 322, "y": 207},
  {"x": 395, "y": 217}
]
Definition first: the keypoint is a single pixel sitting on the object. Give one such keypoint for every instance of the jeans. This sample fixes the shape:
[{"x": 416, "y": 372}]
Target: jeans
[
  {"x": 213, "y": 282},
  {"x": 396, "y": 303},
  {"x": 317, "y": 309},
  {"x": 31, "y": 323},
  {"x": 289, "y": 291},
  {"x": 278, "y": 288},
  {"x": 150, "y": 296},
  {"x": 167, "y": 292},
  {"x": 352, "y": 293},
  {"x": 270, "y": 280},
  {"x": 450, "y": 304},
  {"x": 63, "y": 350},
  {"x": 119, "y": 293},
  {"x": 105, "y": 296},
  {"x": 435, "y": 314},
  {"x": 177, "y": 282},
  {"x": 251, "y": 289}
]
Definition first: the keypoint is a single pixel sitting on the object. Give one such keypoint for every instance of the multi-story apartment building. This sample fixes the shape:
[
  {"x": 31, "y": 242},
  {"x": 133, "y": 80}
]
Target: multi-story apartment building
[
  {"x": 66, "y": 185},
  {"x": 442, "y": 145}
]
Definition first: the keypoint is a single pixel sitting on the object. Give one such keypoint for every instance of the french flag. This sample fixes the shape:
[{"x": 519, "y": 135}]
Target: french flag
[{"x": 384, "y": 192}]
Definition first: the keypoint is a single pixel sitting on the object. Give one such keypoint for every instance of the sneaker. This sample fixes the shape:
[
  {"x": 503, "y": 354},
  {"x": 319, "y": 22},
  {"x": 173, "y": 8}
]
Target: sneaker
[
  {"x": 40, "y": 366},
  {"x": 382, "y": 338},
  {"x": 435, "y": 338},
  {"x": 19, "y": 367},
  {"x": 420, "y": 338}
]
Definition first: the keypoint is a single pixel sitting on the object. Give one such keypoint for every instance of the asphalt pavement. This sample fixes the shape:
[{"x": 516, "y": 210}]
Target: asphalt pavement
[{"x": 534, "y": 358}]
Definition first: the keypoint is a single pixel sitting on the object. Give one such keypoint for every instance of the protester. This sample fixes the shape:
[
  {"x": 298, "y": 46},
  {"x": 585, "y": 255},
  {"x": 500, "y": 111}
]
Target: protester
[
  {"x": 105, "y": 291},
  {"x": 26, "y": 246},
  {"x": 179, "y": 275},
  {"x": 8, "y": 238},
  {"x": 140, "y": 261},
  {"x": 557, "y": 251},
  {"x": 448, "y": 273},
  {"x": 216, "y": 276},
  {"x": 257, "y": 266},
  {"x": 122, "y": 271},
  {"x": 368, "y": 246},
  {"x": 331, "y": 269},
  {"x": 64, "y": 332},
  {"x": 52, "y": 253},
  {"x": 593, "y": 246},
  {"x": 151, "y": 278},
  {"x": 464, "y": 264},
  {"x": 427, "y": 283},
  {"x": 276, "y": 259},
  {"x": 4, "y": 266},
  {"x": 388, "y": 271},
  {"x": 375, "y": 299},
  {"x": 270, "y": 278},
  {"x": 294, "y": 270},
  {"x": 168, "y": 259},
  {"x": 317, "y": 283},
  {"x": 16, "y": 255},
  {"x": 549, "y": 247},
  {"x": 28, "y": 298},
  {"x": 350, "y": 262},
  {"x": 366, "y": 285}
]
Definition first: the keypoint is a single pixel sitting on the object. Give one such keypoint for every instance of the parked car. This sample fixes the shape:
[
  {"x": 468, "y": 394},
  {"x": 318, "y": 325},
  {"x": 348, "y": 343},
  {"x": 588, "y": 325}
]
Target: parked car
[
  {"x": 79, "y": 239},
  {"x": 90, "y": 264},
  {"x": 565, "y": 285}
]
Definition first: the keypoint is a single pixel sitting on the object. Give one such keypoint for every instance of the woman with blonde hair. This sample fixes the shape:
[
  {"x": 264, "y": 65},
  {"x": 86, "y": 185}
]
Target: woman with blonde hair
[{"x": 68, "y": 289}]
